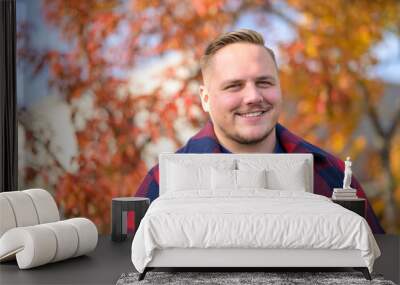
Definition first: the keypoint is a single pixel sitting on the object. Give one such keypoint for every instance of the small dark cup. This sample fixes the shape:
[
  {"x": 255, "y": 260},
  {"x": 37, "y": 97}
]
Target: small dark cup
[{"x": 126, "y": 214}]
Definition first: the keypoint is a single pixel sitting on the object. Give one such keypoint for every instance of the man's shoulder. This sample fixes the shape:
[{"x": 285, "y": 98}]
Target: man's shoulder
[
  {"x": 204, "y": 141},
  {"x": 199, "y": 145},
  {"x": 295, "y": 144}
]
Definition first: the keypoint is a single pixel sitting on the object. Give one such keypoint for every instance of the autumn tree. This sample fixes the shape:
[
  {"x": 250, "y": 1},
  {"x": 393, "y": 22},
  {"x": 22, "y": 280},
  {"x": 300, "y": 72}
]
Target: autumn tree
[
  {"x": 328, "y": 74},
  {"x": 324, "y": 73}
]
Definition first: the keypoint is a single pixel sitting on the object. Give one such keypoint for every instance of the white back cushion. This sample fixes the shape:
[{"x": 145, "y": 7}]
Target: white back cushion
[
  {"x": 294, "y": 179},
  {"x": 287, "y": 170},
  {"x": 223, "y": 179},
  {"x": 283, "y": 174},
  {"x": 45, "y": 206},
  {"x": 26, "y": 208},
  {"x": 23, "y": 208},
  {"x": 7, "y": 218},
  {"x": 231, "y": 180},
  {"x": 184, "y": 174},
  {"x": 187, "y": 177},
  {"x": 251, "y": 178}
]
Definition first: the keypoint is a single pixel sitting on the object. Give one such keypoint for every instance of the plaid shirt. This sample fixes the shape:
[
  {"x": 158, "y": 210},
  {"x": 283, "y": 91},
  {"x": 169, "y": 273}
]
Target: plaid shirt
[{"x": 328, "y": 170}]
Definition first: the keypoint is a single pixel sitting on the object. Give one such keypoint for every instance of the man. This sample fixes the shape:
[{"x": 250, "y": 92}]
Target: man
[{"x": 242, "y": 95}]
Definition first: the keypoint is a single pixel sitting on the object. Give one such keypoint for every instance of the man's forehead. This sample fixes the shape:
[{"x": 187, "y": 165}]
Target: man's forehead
[
  {"x": 240, "y": 61},
  {"x": 258, "y": 77},
  {"x": 241, "y": 50}
]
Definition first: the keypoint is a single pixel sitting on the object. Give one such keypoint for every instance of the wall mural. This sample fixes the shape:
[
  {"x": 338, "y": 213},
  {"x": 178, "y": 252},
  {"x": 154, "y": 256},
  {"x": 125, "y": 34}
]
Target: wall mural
[{"x": 104, "y": 86}]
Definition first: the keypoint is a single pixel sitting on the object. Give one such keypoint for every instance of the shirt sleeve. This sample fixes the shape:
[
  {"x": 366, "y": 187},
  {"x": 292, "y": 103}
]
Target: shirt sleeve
[
  {"x": 369, "y": 212},
  {"x": 149, "y": 187}
]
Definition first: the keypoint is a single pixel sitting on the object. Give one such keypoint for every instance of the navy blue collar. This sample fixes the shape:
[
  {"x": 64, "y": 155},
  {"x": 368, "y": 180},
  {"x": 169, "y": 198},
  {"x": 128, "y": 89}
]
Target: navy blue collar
[{"x": 278, "y": 148}]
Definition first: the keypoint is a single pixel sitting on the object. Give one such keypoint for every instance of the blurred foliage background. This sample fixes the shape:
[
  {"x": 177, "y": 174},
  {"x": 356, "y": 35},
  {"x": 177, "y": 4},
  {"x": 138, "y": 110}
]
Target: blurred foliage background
[{"x": 122, "y": 81}]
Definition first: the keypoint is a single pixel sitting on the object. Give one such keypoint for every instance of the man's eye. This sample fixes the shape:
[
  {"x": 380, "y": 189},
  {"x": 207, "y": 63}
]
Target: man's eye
[
  {"x": 232, "y": 86},
  {"x": 264, "y": 83}
]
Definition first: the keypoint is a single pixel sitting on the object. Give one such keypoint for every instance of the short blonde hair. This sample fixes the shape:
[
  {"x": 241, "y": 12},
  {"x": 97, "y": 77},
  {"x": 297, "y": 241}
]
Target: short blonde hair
[{"x": 239, "y": 36}]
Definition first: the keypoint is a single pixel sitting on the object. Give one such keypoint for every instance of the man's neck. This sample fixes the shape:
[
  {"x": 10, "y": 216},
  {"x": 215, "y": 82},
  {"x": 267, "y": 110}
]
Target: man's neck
[{"x": 265, "y": 146}]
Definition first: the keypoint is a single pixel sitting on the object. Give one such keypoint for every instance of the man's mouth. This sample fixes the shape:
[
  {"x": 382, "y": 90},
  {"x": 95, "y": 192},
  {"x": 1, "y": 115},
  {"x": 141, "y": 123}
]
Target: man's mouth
[{"x": 252, "y": 114}]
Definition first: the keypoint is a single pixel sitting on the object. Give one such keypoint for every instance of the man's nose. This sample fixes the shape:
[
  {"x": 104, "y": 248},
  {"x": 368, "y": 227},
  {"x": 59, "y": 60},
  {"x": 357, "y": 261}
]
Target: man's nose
[{"x": 252, "y": 95}]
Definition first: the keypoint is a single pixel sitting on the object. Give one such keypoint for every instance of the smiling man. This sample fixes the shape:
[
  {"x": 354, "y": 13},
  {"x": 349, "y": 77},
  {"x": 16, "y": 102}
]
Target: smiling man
[{"x": 242, "y": 94}]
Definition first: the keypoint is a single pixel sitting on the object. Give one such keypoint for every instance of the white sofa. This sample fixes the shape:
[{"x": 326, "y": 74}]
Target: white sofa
[{"x": 31, "y": 231}]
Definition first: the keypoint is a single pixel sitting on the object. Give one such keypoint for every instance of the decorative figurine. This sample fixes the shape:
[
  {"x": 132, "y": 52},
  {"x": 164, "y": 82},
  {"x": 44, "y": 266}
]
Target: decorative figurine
[
  {"x": 345, "y": 193},
  {"x": 347, "y": 174}
]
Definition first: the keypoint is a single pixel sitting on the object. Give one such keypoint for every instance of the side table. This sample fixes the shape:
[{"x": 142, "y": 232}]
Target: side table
[
  {"x": 355, "y": 205},
  {"x": 126, "y": 214}
]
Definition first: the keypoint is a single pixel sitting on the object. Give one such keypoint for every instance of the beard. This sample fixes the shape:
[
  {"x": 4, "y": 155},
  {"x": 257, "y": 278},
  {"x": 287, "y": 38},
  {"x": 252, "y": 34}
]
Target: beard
[
  {"x": 247, "y": 140},
  {"x": 232, "y": 133}
]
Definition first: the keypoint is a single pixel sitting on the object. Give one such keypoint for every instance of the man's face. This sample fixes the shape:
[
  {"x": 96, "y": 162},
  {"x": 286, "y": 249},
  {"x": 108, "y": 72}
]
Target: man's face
[{"x": 242, "y": 93}]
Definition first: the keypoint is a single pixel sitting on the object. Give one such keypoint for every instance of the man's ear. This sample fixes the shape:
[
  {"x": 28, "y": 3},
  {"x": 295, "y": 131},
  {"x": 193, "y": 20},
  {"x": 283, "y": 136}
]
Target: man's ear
[{"x": 205, "y": 100}]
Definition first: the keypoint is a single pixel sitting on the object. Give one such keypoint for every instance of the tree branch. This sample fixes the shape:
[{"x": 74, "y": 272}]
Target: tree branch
[
  {"x": 371, "y": 110},
  {"x": 46, "y": 144},
  {"x": 395, "y": 123}
]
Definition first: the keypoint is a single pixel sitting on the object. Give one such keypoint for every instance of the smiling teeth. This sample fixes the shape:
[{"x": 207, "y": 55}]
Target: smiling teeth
[{"x": 255, "y": 114}]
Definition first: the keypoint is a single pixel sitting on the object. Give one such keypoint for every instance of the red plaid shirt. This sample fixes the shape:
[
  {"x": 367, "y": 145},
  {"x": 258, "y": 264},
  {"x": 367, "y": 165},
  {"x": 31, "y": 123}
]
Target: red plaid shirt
[{"x": 328, "y": 170}]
